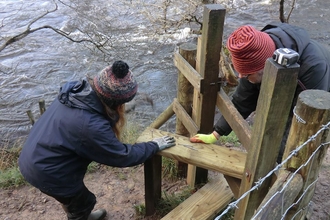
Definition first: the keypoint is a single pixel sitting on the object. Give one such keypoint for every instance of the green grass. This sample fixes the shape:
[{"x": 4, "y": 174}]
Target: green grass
[
  {"x": 10, "y": 176},
  {"x": 231, "y": 138},
  {"x": 170, "y": 169}
]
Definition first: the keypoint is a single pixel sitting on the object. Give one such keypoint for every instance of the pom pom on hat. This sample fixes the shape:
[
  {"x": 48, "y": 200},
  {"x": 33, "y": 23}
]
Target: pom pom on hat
[
  {"x": 249, "y": 49},
  {"x": 115, "y": 84}
]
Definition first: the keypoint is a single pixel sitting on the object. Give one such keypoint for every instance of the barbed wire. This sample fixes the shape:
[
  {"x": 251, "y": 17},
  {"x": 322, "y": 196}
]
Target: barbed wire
[{"x": 278, "y": 167}]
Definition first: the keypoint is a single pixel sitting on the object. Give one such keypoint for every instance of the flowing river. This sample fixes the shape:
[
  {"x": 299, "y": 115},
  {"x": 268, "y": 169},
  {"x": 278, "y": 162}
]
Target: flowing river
[{"x": 142, "y": 33}]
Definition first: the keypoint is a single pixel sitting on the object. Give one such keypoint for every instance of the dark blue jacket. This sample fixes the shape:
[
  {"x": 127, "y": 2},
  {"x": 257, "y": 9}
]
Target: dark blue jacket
[
  {"x": 314, "y": 71},
  {"x": 72, "y": 133}
]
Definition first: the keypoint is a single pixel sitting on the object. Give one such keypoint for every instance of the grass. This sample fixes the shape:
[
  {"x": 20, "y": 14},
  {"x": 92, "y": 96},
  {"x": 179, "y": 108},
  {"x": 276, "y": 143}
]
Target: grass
[
  {"x": 169, "y": 168},
  {"x": 10, "y": 176},
  {"x": 231, "y": 138},
  {"x": 166, "y": 204}
]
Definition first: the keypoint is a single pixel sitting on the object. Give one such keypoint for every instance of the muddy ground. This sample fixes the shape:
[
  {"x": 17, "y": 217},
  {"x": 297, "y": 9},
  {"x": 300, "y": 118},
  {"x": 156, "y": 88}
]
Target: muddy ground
[{"x": 120, "y": 190}]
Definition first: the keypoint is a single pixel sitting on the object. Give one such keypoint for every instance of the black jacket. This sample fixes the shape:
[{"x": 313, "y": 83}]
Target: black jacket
[
  {"x": 72, "y": 133},
  {"x": 314, "y": 72}
]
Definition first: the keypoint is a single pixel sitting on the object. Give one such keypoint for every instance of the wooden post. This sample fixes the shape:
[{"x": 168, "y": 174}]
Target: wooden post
[
  {"x": 208, "y": 67},
  {"x": 275, "y": 99},
  {"x": 30, "y": 115},
  {"x": 42, "y": 106},
  {"x": 152, "y": 183},
  {"x": 311, "y": 112},
  {"x": 185, "y": 97},
  {"x": 153, "y": 169},
  {"x": 185, "y": 89},
  {"x": 163, "y": 117},
  {"x": 278, "y": 199}
]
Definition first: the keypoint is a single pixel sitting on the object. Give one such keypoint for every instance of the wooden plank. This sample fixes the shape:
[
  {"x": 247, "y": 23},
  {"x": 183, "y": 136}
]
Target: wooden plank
[
  {"x": 207, "y": 156},
  {"x": 275, "y": 99},
  {"x": 205, "y": 203},
  {"x": 188, "y": 71},
  {"x": 234, "y": 118},
  {"x": 184, "y": 117}
]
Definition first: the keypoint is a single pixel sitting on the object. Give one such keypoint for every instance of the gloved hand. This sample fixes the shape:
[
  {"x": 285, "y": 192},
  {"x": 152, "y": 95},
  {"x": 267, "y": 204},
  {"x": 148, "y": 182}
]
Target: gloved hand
[
  {"x": 164, "y": 142},
  {"x": 204, "y": 138}
]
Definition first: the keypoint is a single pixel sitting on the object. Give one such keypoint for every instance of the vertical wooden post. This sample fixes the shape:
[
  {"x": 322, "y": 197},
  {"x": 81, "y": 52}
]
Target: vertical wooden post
[
  {"x": 42, "y": 106},
  {"x": 185, "y": 96},
  {"x": 275, "y": 99},
  {"x": 311, "y": 112},
  {"x": 152, "y": 183},
  {"x": 30, "y": 115},
  {"x": 153, "y": 169},
  {"x": 208, "y": 67}
]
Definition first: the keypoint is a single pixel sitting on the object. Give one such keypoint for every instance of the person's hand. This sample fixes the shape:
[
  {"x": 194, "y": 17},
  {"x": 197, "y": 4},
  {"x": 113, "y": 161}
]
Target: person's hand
[
  {"x": 204, "y": 138},
  {"x": 164, "y": 142}
]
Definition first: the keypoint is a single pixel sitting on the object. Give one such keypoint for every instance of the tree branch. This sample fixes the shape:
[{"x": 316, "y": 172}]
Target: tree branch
[
  {"x": 28, "y": 31},
  {"x": 284, "y": 19}
]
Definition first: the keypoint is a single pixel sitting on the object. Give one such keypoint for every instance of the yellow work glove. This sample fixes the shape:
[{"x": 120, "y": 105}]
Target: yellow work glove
[{"x": 204, "y": 138}]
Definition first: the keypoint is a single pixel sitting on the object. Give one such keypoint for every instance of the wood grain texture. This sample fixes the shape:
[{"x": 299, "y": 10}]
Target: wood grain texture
[
  {"x": 205, "y": 203},
  {"x": 208, "y": 156}
]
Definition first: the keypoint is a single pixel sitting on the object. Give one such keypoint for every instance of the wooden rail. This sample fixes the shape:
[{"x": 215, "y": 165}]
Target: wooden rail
[{"x": 208, "y": 156}]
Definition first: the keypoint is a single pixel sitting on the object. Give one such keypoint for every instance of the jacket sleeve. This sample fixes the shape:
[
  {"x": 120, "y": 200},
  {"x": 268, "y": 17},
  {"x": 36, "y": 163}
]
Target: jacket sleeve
[
  {"x": 314, "y": 70},
  {"x": 100, "y": 144},
  {"x": 244, "y": 99}
]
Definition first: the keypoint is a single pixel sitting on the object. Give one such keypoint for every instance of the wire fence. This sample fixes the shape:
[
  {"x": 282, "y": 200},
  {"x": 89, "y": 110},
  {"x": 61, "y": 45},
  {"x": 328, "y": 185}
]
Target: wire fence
[{"x": 277, "y": 168}]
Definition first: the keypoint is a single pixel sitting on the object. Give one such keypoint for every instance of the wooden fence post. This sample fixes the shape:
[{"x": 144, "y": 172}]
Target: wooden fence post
[
  {"x": 311, "y": 112},
  {"x": 279, "y": 199},
  {"x": 185, "y": 96},
  {"x": 42, "y": 106},
  {"x": 208, "y": 67},
  {"x": 274, "y": 102},
  {"x": 31, "y": 117}
]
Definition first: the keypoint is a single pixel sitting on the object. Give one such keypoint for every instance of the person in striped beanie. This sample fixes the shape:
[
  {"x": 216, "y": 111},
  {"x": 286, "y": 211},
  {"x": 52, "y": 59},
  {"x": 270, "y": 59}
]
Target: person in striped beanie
[{"x": 249, "y": 49}]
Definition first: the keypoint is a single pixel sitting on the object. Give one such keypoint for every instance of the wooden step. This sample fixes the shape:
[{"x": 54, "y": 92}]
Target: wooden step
[
  {"x": 208, "y": 156},
  {"x": 206, "y": 203}
]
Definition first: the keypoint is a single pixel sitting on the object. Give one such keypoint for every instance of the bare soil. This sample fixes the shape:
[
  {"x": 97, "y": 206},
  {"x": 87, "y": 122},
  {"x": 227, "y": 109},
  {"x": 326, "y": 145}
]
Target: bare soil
[{"x": 119, "y": 191}]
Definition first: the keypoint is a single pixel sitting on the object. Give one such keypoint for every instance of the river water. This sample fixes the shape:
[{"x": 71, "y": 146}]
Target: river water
[{"x": 34, "y": 67}]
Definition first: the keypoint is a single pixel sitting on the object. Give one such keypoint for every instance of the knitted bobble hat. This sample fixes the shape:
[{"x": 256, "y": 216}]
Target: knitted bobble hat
[
  {"x": 115, "y": 84},
  {"x": 249, "y": 49}
]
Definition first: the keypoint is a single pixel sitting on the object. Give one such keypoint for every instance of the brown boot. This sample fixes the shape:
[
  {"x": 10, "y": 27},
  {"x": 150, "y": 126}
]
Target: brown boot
[{"x": 97, "y": 215}]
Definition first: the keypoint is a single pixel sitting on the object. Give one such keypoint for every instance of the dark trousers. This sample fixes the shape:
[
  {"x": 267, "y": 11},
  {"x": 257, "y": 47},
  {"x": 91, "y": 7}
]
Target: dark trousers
[{"x": 77, "y": 207}]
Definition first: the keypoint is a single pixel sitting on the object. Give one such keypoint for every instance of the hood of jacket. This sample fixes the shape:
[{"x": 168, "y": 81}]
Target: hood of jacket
[
  {"x": 79, "y": 94},
  {"x": 288, "y": 36}
]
